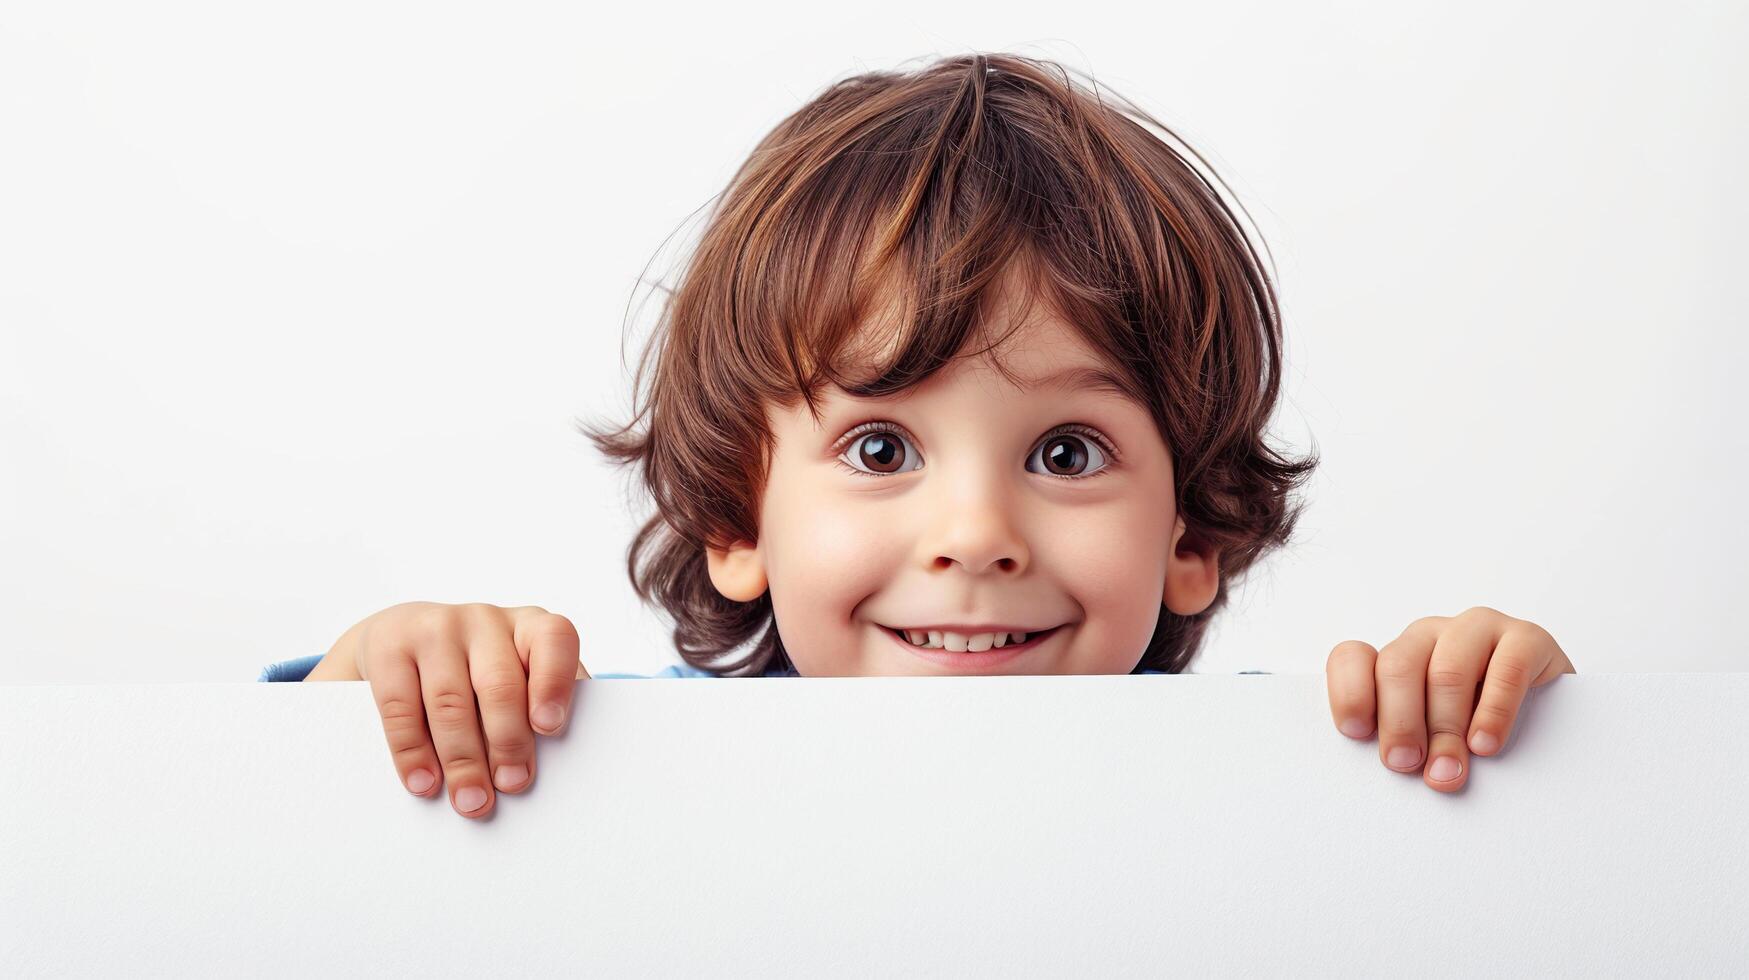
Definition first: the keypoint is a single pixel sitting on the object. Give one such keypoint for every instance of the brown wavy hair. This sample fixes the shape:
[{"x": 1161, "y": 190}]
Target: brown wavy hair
[{"x": 933, "y": 182}]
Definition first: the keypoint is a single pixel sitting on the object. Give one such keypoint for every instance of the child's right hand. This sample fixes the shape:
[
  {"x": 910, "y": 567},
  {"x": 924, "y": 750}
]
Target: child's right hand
[{"x": 426, "y": 662}]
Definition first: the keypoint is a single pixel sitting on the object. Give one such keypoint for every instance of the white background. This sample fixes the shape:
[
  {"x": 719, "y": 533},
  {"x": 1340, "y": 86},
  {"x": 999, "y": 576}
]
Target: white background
[{"x": 297, "y": 305}]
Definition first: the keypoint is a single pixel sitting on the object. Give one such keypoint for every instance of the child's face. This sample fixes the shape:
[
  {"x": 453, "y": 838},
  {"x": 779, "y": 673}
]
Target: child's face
[{"x": 965, "y": 523}]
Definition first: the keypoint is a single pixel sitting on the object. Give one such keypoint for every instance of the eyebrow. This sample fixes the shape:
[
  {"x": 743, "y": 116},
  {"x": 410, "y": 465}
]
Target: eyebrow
[{"x": 1081, "y": 378}]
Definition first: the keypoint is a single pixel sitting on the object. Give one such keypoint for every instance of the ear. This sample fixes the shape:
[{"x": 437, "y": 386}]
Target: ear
[
  {"x": 738, "y": 572},
  {"x": 1193, "y": 572}
]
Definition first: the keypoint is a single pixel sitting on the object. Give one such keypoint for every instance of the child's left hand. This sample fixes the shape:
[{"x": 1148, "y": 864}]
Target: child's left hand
[{"x": 1426, "y": 685}]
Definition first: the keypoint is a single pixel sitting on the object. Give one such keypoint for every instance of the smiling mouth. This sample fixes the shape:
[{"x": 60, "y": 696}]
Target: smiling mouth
[{"x": 975, "y": 643}]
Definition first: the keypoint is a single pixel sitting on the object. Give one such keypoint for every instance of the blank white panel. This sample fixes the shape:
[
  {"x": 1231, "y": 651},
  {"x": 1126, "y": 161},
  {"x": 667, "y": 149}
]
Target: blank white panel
[{"x": 876, "y": 826}]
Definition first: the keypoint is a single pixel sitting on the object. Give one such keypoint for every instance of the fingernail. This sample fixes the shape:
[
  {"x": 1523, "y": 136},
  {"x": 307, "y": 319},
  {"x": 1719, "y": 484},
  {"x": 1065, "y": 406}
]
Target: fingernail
[
  {"x": 1355, "y": 728},
  {"x": 510, "y": 777},
  {"x": 548, "y": 717},
  {"x": 1483, "y": 742},
  {"x": 1403, "y": 757},
  {"x": 470, "y": 799},
  {"x": 420, "y": 780},
  {"x": 1444, "y": 768}
]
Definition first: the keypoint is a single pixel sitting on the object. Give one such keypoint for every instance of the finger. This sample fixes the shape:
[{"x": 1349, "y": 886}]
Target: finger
[
  {"x": 1523, "y": 659},
  {"x": 1400, "y": 677},
  {"x": 548, "y": 644},
  {"x": 501, "y": 688},
  {"x": 1460, "y": 655},
  {"x": 394, "y": 685},
  {"x": 455, "y": 725},
  {"x": 1349, "y": 676}
]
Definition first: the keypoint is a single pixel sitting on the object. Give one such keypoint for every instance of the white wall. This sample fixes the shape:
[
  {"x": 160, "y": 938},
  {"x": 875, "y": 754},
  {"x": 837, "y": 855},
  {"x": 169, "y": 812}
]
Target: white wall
[{"x": 296, "y": 305}]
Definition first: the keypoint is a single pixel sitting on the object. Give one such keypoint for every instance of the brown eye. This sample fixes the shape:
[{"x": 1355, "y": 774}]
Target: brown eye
[
  {"x": 881, "y": 451},
  {"x": 1067, "y": 455}
]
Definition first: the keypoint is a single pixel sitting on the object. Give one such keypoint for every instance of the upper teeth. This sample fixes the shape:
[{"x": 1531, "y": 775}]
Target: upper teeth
[{"x": 961, "y": 642}]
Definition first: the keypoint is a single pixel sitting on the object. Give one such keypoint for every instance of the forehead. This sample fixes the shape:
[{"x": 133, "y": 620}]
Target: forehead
[
  {"x": 1041, "y": 359},
  {"x": 1021, "y": 338},
  {"x": 1018, "y": 345},
  {"x": 1015, "y": 299}
]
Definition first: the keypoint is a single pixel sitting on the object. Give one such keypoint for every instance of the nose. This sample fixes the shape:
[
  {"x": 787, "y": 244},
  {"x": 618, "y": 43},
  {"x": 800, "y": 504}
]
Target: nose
[{"x": 975, "y": 526}]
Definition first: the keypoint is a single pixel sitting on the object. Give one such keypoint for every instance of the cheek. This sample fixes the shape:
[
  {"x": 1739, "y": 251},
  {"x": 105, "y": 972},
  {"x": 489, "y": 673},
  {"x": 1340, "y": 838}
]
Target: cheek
[
  {"x": 1113, "y": 563},
  {"x": 821, "y": 563}
]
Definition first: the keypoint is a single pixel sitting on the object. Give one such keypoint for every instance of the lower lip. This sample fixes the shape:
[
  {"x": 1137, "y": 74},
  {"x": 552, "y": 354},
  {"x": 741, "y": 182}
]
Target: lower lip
[{"x": 968, "y": 660}]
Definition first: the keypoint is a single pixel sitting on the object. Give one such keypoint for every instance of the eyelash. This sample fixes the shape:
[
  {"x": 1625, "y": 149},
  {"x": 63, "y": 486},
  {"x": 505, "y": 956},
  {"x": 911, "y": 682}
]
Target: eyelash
[{"x": 844, "y": 444}]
